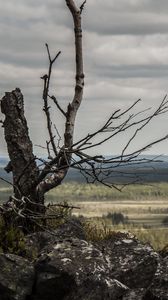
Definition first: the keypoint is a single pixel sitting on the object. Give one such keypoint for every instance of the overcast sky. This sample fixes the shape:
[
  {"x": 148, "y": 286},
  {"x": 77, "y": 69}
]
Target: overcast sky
[{"x": 125, "y": 58}]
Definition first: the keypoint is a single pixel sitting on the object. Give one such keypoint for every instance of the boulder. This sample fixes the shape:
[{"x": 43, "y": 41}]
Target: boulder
[
  {"x": 65, "y": 266},
  {"x": 16, "y": 277},
  {"x": 131, "y": 262},
  {"x": 75, "y": 269},
  {"x": 135, "y": 294},
  {"x": 158, "y": 290},
  {"x": 73, "y": 227},
  {"x": 40, "y": 241}
]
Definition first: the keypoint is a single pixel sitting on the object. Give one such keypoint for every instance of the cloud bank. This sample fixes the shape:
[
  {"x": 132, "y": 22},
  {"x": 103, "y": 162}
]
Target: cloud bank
[{"x": 125, "y": 56}]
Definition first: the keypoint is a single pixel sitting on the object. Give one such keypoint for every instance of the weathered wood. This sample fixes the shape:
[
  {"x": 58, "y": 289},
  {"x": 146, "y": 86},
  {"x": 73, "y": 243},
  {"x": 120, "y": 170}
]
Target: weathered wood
[{"x": 20, "y": 150}]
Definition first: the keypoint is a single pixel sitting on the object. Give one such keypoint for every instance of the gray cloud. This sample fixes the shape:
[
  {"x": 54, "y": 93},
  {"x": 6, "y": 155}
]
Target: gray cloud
[
  {"x": 127, "y": 17},
  {"x": 125, "y": 56}
]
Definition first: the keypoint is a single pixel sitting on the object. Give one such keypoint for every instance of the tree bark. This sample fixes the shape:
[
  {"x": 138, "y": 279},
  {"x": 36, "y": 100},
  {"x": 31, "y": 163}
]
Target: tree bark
[
  {"x": 20, "y": 150},
  {"x": 22, "y": 163}
]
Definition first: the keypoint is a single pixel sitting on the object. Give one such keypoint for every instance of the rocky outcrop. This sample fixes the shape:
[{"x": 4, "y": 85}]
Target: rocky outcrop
[
  {"x": 131, "y": 262},
  {"x": 17, "y": 277},
  {"x": 159, "y": 286},
  {"x": 67, "y": 267},
  {"x": 76, "y": 270}
]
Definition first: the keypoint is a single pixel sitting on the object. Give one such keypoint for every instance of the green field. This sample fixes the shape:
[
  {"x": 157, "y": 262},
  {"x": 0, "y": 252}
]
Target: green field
[
  {"x": 142, "y": 204},
  {"x": 145, "y": 206},
  {"x": 92, "y": 192}
]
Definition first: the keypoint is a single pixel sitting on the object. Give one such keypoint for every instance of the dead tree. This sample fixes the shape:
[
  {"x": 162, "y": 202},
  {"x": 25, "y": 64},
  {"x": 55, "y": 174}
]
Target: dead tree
[{"x": 30, "y": 182}]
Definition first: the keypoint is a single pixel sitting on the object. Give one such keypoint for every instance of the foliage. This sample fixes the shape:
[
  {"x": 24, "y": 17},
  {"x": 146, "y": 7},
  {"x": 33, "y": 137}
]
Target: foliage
[
  {"x": 95, "y": 232},
  {"x": 92, "y": 192},
  {"x": 12, "y": 239},
  {"x": 98, "y": 228},
  {"x": 102, "y": 228},
  {"x": 61, "y": 211},
  {"x": 117, "y": 218},
  {"x": 149, "y": 201},
  {"x": 155, "y": 237},
  {"x": 165, "y": 221},
  {"x": 164, "y": 251}
]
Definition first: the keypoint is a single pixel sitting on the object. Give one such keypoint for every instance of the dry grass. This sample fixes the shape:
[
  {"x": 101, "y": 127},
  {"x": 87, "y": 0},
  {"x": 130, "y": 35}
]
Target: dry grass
[
  {"x": 97, "y": 228},
  {"x": 144, "y": 206}
]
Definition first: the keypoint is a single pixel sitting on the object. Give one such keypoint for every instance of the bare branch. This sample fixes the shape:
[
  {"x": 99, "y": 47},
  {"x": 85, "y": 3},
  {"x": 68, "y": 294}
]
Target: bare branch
[
  {"x": 48, "y": 51},
  {"x": 58, "y": 106},
  {"x": 64, "y": 206},
  {"x": 59, "y": 137},
  {"x": 130, "y": 122},
  {"x": 82, "y": 6},
  {"x": 49, "y": 55},
  {"x": 3, "y": 179},
  {"x": 46, "y": 78},
  {"x": 115, "y": 115},
  {"x": 48, "y": 150}
]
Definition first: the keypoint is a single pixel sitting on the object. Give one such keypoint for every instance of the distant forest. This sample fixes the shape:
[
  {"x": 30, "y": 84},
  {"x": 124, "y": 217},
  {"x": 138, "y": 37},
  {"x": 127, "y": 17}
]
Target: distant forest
[{"x": 144, "y": 173}]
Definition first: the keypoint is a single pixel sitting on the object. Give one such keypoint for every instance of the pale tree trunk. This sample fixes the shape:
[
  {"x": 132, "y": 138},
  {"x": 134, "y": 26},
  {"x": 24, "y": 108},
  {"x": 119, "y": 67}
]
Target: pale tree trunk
[{"x": 65, "y": 154}]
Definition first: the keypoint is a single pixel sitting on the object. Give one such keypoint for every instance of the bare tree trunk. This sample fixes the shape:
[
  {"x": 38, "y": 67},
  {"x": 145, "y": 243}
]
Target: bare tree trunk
[{"x": 22, "y": 160}]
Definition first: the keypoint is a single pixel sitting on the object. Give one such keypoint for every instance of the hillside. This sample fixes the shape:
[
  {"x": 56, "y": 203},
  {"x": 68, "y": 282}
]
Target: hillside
[{"x": 144, "y": 172}]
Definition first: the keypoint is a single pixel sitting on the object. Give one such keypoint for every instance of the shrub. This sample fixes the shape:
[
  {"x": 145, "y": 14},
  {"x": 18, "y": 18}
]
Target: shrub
[
  {"x": 11, "y": 239},
  {"x": 165, "y": 221},
  {"x": 117, "y": 218}
]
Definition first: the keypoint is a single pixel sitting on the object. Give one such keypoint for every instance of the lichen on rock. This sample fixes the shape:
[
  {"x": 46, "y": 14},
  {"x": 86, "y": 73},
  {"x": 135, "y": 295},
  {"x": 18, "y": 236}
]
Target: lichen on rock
[{"x": 68, "y": 267}]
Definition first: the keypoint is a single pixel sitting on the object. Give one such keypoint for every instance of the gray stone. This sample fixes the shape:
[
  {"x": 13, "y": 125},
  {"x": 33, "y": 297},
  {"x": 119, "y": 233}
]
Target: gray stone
[
  {"x": 42, "y": 241},
  {"x": 16, "y": 277},
  {"x": 135, "y": 294},
  {"x": 75, "y": 269},
  {"x": 67, "y": 267},
  {"x": 158, "y": 290},
  {"x": 130, "y": 261}
]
